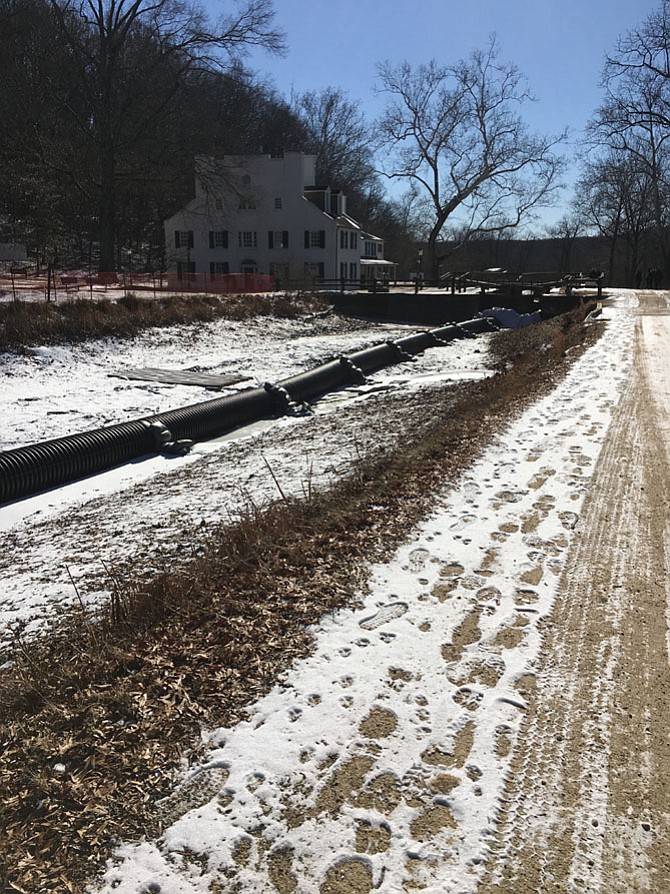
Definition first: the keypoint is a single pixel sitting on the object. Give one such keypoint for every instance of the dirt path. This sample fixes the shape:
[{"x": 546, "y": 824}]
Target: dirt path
[{"x": 588, "y": 802}]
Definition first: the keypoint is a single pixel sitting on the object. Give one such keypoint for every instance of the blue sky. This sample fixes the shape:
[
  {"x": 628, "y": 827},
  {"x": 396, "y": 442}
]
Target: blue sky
[{"x": 559, "y": 46}]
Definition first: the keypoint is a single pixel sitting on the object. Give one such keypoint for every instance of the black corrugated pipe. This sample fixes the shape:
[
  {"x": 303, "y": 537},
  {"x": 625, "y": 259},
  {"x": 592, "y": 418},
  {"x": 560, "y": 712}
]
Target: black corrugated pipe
[
  {"x": 213, "y": 417},
  {"x": 29, "y": 470},
  {"x": 327, "y": 377}
]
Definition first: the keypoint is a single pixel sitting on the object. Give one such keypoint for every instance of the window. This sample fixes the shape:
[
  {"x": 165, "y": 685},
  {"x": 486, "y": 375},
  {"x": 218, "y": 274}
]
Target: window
[
  {"x": 370, "y": 249},
  {"x": 277, "y": 238},
  {"x": 247, "y": 203},
  {"x": 218, "y": 204},
  {"x": 249, "y": 266},
  {"x": 183, "y": 238},
  {"x": 315, "y": 238},
  {"x": 248, "y": 239},
  {"x": 353, "y": 239},
  {"x": 343, "y": 269},
  {"x": 186, "y": 270},
  {"x": 344, "y": 239},
  {"x": 353, "y": 271},
  {"x": 315, "y": 270},
  {"x": 218, "y": 238},
  {"x": 218, "y": 268},
  {"x": 278, "y": 203}
]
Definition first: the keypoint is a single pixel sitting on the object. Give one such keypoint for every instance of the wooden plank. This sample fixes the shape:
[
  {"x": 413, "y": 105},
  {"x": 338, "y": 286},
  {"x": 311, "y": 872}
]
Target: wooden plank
[{"x": 179, "y": 377}]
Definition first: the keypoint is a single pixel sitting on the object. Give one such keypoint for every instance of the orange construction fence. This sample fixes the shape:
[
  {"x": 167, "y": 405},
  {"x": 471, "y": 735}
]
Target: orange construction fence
[
  {"x": 221, "y": 283},
  {"x": 73, "y": 282}
]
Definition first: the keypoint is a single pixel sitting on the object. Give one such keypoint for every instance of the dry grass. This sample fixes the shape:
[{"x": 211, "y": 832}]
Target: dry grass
[
  {"x": 97, "y": 714},
  {"x": 31, "y": 323}
]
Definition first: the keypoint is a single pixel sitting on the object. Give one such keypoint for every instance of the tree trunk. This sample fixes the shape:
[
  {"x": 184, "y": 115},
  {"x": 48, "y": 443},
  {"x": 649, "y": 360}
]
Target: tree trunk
[
  {"x": 612, "y": 255},
  {"x": 432, "y": 262},
  {"x": 107, "y": 207}
]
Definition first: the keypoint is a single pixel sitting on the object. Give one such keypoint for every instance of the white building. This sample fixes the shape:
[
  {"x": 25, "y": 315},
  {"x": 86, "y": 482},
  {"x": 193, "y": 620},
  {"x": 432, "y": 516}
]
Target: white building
[{"x": 263, "y": 214}]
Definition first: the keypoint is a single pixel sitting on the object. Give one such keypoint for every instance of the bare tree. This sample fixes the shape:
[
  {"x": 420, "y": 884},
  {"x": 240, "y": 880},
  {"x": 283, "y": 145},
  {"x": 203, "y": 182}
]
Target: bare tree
[
  {"x": 616, "y": 193},
  {"x": 640, "y": 68},
  {"x": 454, "y": 132},
  {"x": 633, "y": 123},
  {"x": 134, "y": 58},
  {"x": 339, "y": 135},
  {"x": 566, "y": 231}
]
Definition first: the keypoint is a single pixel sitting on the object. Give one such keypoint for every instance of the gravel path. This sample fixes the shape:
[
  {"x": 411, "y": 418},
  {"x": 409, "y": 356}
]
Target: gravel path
[{"x": 587, "y": 804}]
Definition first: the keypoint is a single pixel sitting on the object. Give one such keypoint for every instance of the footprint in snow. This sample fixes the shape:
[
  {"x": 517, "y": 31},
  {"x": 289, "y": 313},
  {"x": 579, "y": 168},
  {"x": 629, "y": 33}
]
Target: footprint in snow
[
  {"x": 540, "y": 478},
  {"x": 451, "y": 569},
  {"x": 417, "y": 559},
  {"x": 525, "y": 597},
  {"x": 569, "y": 520},
  {"x": 463, "y": 522},
  {"x": 385, "y": 614},
  {"x": 489, "y": 594},
  {"x": 477, "y": 671},
  {"x": 510, "y": 496}
]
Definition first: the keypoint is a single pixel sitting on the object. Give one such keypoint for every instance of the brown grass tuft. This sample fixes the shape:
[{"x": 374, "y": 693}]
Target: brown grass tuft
[{"x": 31, "y": 323}]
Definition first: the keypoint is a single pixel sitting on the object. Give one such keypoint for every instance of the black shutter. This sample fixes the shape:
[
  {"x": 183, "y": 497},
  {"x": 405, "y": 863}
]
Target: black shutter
[
  {"x": 270, "y": 239},
  {"x": 190, "y": 238},
  {"x": 285, "y": 239},
  {"x": 322, "y": 238},
  {"x": 306, "y": 238},
  {"x": 211, "y": 238},
  {"x": 176, "y": 239}
]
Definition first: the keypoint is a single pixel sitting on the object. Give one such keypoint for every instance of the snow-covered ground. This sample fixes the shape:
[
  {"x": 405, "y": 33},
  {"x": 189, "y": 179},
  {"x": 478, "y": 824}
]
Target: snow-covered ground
[
  {"x": 49, "y": 392},
  {"x": 378, "y": 762},
  {"x": 139, "y": 514}
]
